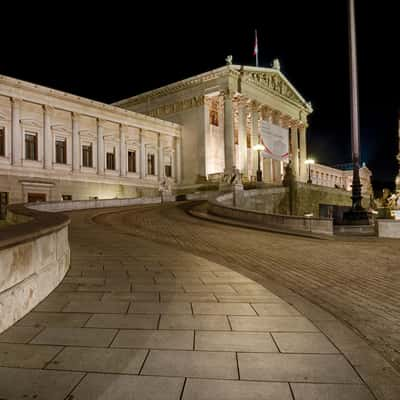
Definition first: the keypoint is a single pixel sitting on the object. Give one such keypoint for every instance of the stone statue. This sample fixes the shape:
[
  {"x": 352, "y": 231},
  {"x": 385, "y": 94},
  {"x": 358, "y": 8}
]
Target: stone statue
[
  {"x": 276, "y": 64},
  {"x": 288, "y": 177},
  {"x": 228, "y": 60}
]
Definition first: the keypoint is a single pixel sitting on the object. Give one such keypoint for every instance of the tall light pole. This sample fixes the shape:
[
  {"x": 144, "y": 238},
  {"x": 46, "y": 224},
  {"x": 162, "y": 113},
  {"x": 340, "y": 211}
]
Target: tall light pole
[
  {"x": 357, "y": 215},
  {"x": 259, "y": 147},
  {"x": 309, "y": 162}
]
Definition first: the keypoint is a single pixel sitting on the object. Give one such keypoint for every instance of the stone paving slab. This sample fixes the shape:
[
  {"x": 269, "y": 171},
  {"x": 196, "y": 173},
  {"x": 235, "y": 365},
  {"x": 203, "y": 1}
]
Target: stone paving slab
[
  {"x": 76, "y": 337},
  {"x": 207, "y": 389},
  {"x": 152, "y": 297},
  {"x": 26, "y": 355},
  {"x": 310, "y": 391},
  {"x": 112, "y": 307},
  {"x": 123, "y": 321},
  {"x": 221, "y": 288},
  {"x": 155, "y": 339},
  {"x": 199, "y": 322},
  {"x": 223, "y": 309},
  {"x": 235, "y": 341},
  {"x": 275, "y": 310},
  {"x": 122, "y": 387},
  {"x": 249, "y": 298},
  {"x": 187, "y": 297},
  {"x": 289, "y": 342},
  {"x": 17, "y": 383},
  {"x": 330, "y": 368},
  {"x": 19, "y": 334},
  {"x": 160, "y": 308},
  {"x": 272, "y": 324},
  {"x": 89, "y": 359},
  {"x": 197, "y": 364},
  {"x": 37, "y": 319}
]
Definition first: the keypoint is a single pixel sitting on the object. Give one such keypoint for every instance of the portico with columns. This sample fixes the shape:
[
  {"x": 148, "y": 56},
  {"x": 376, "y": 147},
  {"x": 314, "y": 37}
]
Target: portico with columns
[{"x": 221, "y": 112}]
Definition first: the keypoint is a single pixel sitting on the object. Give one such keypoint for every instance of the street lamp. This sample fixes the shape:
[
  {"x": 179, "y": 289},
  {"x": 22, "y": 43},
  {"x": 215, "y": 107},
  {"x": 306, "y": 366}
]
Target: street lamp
[
  {"x": 309, "y": 162},
  {"x": 259, "y": 147}
]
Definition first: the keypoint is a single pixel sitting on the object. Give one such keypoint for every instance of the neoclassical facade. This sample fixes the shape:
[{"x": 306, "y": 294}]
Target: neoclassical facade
[
  {"x": 221, "y": 112},
  {"x": 54, "y": 145},
  {"x": 325, "y": 175}
]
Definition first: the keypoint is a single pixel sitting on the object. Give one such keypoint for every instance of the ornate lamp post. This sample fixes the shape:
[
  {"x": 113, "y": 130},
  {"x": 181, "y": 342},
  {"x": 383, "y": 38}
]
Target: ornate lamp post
[
  {"x": 259, "y": 147},
  {"x": 309, "y": 162},
  {"x": 357, "y": 215}
]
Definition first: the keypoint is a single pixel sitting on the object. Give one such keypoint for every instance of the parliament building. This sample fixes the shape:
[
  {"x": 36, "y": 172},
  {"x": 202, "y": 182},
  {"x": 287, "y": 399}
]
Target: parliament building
[{"x": 58, "y": 146}]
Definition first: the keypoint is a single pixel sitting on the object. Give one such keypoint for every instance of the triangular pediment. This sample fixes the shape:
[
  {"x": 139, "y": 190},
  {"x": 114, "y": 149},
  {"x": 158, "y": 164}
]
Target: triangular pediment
[{"x": 274, "y": 81}]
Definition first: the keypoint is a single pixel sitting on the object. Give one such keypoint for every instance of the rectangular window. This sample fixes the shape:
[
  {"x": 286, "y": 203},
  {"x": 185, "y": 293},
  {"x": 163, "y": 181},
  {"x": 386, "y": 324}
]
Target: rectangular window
[
  {"x": 111, "y": 160},
  {"x": 67, "y": 197},
  {"x": 3, "y": 204},
  {"x": 168, "y": 171},
  {"x": 151, "y": 164},
  {"x": 2, "y": 142},
  {"x": 132, "y": 161},
  {"x": 87, "y": 159},
  {"x": 61, "y": 151},
  {"x": 31, "y": 146}
]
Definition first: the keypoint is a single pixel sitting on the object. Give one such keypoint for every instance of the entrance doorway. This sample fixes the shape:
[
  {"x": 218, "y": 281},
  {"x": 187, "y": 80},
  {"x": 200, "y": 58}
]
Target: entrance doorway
[
  {"x": 35, "y": 197},
  {"x": 3, "y": 204}
]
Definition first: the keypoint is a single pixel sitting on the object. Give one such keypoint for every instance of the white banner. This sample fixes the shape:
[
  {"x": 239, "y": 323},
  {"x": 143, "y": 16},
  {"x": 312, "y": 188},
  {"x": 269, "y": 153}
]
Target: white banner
[{"x": 275, "y": 140}]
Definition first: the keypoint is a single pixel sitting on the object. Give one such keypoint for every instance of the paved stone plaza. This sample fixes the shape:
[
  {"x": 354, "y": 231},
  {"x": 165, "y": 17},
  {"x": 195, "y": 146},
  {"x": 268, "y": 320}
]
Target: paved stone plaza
[{"x": 159, "y": 305}]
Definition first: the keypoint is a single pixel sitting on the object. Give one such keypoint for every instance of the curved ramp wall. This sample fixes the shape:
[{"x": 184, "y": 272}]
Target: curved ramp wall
[
  {"x": 222, "y": 206},
  {"x": 34, "y": 258}
]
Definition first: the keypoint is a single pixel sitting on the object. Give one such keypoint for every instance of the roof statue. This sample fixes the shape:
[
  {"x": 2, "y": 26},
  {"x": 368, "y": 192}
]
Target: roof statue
[
  {"x": 229, "y": 60},
  {"x": 276, "y": 64}
]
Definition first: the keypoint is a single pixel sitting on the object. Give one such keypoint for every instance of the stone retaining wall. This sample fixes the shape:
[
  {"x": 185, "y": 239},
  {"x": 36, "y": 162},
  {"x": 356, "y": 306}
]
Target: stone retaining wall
[
  {"x": 219, "y": 206},
  {"x": 34, "y": 258}
]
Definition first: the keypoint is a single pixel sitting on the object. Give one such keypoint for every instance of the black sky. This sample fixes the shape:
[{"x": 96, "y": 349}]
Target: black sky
[{"x": 116, "y": 50}]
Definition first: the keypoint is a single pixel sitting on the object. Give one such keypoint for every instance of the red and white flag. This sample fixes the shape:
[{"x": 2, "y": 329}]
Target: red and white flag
[{"x": 255, "y": 52}]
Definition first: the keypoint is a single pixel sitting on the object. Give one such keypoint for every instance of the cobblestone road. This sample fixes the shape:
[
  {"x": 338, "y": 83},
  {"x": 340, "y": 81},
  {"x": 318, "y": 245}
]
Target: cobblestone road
[{"x": 358, "y": 281}]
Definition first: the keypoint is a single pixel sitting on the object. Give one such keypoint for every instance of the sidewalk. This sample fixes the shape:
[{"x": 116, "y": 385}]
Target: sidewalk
[{"x": 138, "y": 320}]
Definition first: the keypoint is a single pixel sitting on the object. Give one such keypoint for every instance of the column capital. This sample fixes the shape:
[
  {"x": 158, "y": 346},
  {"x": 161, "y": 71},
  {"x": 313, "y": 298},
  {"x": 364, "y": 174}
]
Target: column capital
[
  {"x": 16, "y": 100},
  {"x": 75, "y": 116},
  {"x": 100, "y": 122}
]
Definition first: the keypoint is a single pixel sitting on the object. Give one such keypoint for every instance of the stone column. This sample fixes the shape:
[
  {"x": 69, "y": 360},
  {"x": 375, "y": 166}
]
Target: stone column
[
  {"x": 303, "y": 153},
  {"x": 398, "y": 160},
  {"x": 16, "y": 149},
  {"x": 100, "y": 147},
  {"x": 229, "y": 145},
  {"x": 47, "y": 138},
  {"x": 243, "y": 138},
  {"x": 178, "y": 160},
  {"x": 122, "y": 149},
  {"x": 204, "y": 158},
  {"x": 76, "y": 151},
  {"x": 295, "y": 149},
  {"x": 142, "y": 155},
  {"x": 255, "y": 137},
  {"x": 160, "y": 158}
]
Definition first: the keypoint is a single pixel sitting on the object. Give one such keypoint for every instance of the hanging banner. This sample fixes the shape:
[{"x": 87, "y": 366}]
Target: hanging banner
[{"x": 275, "y": 140}]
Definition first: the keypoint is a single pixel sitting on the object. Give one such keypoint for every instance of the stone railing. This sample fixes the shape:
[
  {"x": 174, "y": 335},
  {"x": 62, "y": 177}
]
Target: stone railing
[
  {"x": 34, "y": 258},
  {"x": 219, "y": 206}
]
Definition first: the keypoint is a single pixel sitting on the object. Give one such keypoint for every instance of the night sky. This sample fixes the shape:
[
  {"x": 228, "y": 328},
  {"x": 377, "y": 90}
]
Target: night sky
[{"x": 115, "y": 51}]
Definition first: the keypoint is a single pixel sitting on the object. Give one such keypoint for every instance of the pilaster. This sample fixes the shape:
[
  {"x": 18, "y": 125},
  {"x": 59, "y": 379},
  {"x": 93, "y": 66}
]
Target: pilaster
[
  {"x": 123, "y": 129},
  {"x": 178, "y": 160},
  {"x": 16, "y": 137},
  {"x": 142, "y": 164},
  {"x": 76, "y": 153},
  {"x": 47, "y": 138},
  {"x": 100, "y": 147}
]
